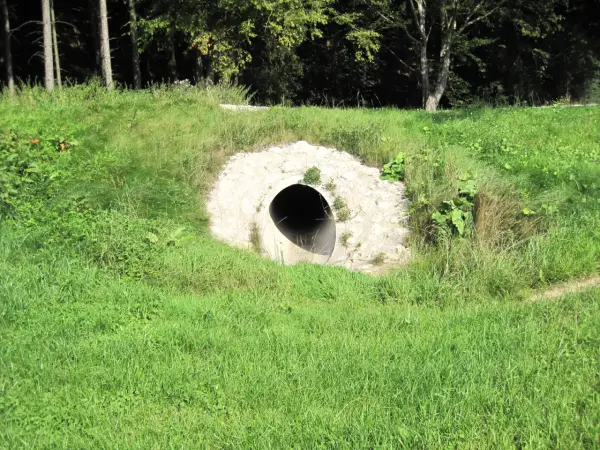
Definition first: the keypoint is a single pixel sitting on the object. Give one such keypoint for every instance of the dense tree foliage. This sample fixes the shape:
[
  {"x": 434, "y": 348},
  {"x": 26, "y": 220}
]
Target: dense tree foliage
[{"x": 338, "y": 52}]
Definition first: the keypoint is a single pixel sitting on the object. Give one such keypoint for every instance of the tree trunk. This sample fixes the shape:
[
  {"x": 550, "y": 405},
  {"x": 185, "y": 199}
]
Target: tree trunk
[
  {"x": 198, "y": 67},
  {"x": 424, "y": 73},
  {"x": 433, "y": 100},
  {"x": 10, "y": 79},
  {"x": 419, "y": 11},
  {"x": 96, "y": 41},
  {"x": 105, "y": 45},
  {"x": 55, "y": 45},
  {"x": 135, "y": 54},
  {"x": 210, "y": 71},
  {"x": 48, "y": 64},
  {"x": 172, "y": 63}
]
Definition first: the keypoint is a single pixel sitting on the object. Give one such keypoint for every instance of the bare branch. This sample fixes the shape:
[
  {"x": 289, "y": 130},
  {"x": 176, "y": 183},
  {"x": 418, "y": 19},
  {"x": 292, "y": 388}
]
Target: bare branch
[
  {"x": 469, "y": 21},
  {"x": 387, "y": 18},
  {"x": 475, "y": 10},
  {"x": 408, "y": 34},
  {"x": 410, "y": 68},
  {"x": 416, "y": 16},
  {"x": 37, "y": 22},
  {"x": 67, "y": 23},
  {"x": 34, "y": 55},
  {"x": 401, "y": 25}
]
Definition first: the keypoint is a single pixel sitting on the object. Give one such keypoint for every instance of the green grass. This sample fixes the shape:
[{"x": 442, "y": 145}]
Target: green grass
[{"x": 124, "y": 324}]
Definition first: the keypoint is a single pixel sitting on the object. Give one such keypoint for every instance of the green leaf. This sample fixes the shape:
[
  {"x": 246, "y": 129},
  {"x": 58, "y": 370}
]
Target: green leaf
[
  {"x": 458, "y": 221},
  {"x": 468, "y": 188},
  {"x": 394, "y": 170},
  {"x": 173, "y": 236},
  {"x": 439, "y": 218}
]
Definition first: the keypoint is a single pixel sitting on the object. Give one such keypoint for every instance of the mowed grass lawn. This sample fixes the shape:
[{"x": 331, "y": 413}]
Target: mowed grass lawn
[{"x": 123, "y": 324}]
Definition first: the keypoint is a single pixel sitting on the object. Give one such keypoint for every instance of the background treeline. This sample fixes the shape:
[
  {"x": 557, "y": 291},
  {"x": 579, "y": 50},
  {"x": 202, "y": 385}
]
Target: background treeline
[{"x": 407, "y": 53}]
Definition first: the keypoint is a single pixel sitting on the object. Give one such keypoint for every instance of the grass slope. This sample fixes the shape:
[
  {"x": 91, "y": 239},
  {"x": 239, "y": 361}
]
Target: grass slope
[{"x": 123, "y": 324}]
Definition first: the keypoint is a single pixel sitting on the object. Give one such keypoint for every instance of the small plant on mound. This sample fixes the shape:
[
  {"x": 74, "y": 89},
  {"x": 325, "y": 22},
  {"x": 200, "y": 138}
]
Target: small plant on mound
[
  {"x": 394, "y": 170},
  {"x": 255, "y": 240},
  {"x": 456, "y": 215},
  {"x": 312, "y": 176},
  {"x": 378, "y": 260},
  {"x": 345, "y": 238},
  {"x": 341, "y": 209}
]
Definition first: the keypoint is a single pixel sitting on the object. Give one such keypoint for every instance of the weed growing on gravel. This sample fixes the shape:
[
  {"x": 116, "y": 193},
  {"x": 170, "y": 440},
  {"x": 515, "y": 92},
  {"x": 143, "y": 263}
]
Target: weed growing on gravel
[
  {"x": 344, "y": 238},
  {"x": 342, "y": 211},
  {"x": 255, "y": 239},
  {"x": 378, "y": 260},
  {"x": 312, "y": 176}
]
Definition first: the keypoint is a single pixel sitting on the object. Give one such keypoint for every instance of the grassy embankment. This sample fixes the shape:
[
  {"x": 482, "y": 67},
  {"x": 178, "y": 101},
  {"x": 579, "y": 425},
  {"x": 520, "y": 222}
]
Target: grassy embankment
[{"x": 123, "y": 324}]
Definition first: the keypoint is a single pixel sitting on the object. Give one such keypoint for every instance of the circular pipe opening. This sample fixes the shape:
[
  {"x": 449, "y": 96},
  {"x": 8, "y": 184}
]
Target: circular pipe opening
[{"x": 303, "y": 216}]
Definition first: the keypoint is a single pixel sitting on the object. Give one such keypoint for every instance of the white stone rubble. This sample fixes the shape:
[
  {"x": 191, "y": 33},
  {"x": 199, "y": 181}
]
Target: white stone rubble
[{"x": 378, "y": 209}]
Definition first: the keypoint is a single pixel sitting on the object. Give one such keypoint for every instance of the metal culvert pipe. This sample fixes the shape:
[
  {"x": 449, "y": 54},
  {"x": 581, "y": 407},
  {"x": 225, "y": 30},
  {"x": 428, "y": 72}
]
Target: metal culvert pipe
[{"x": 304, "y": 218}]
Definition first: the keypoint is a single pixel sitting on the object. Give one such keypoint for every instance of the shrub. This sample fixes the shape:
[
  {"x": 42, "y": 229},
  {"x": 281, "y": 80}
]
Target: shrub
[
  {"x": 457, "y": 214},
  {"x": 28, "y": 171},
  {"x": 394, "y": 170},
  {"x": 312, "y": 176}
]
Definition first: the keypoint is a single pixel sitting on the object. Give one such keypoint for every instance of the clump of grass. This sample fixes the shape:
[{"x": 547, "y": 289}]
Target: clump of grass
[
  {"x": 260, "y": 203},
  {"x": 312, "y": 176},
  {"x": 344, "y": 238},
  {"x": 378, "y": 260},
  {"x": 255, "y": 240},
  {"x": 330, "y": 186},
  {"x": 498, "y": 218},
  {"x": 342, "y": 211}
]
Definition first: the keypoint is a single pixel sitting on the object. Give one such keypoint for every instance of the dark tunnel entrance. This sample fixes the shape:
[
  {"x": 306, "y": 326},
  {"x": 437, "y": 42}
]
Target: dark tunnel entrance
[{"x": 303, "y": 216}]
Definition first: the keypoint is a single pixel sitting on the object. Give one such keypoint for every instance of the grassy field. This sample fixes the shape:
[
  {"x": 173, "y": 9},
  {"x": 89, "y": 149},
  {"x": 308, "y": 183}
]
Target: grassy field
[{"x": 124, "y": 325}]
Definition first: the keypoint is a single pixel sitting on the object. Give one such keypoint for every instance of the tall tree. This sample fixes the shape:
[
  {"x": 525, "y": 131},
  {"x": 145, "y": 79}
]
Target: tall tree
[
  {"x": 335, "y": 51},
  {"x": 10, "y": 79},
  {"x": 48, "y": 64},
  {"x": 105, "y": 45},
  {"x": 224, "y": 32},
  {"x": 454, "y": 19},
  {"x": 135, "y": 54},
  {"x": 447, "y": 20},
  {"x": 55, "y": 45}
]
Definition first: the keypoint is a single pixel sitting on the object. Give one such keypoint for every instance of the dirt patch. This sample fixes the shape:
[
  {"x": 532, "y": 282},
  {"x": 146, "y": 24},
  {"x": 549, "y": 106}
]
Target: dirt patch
[{"x": 571, "y": 287}]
